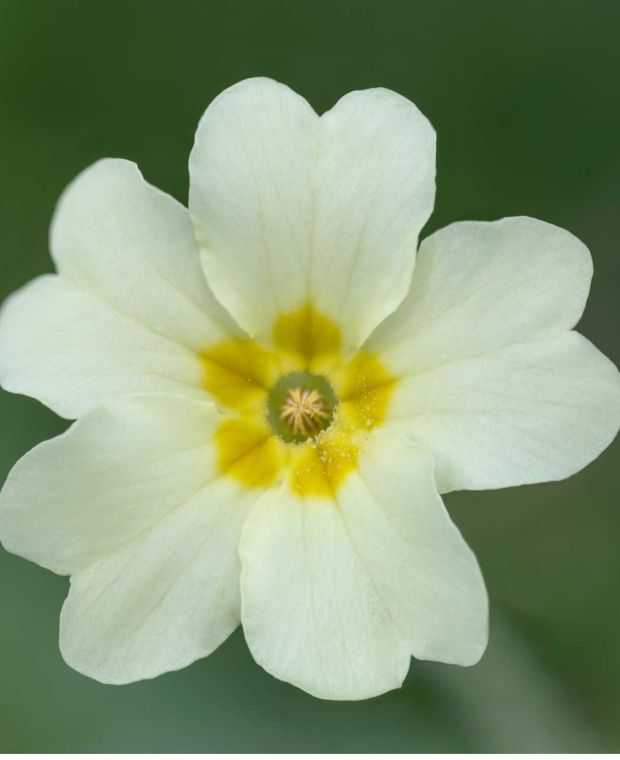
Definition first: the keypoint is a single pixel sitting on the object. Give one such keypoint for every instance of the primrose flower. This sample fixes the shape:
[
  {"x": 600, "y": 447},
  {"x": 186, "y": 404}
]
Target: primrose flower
[{"x": 270, "y": 399}]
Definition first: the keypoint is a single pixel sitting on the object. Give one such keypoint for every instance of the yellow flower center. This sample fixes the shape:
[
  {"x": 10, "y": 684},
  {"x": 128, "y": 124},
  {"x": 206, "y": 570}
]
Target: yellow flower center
[{"x": 297, "y": 409}]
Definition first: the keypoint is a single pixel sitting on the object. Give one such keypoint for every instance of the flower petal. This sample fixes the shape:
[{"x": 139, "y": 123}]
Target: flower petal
[
  {"x": 130, "y": 304},
  {"x": 482, "y": 285},
  {"x": 129, "y": 500},
  {"x": 494, "y": 384},
  {"x": 110, "y": 477},
  {"x": 66, "y": 347},
  {"x": 292, "y": 209},
  {"x": 337, "y": 596},
  {"x": 528, "y": 412},
  {"x": 163, "y": 599}
]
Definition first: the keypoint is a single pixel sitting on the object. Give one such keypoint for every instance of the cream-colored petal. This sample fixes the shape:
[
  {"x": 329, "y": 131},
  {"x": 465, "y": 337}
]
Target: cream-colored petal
[
  {"x": 375, "y": 190},
  {"x": 309, "y": 610},
  {"x": 416, "y": 556},
  {"x": 131, "y": 308},
  {"x": 478, "y": 286},
  {"x": 292, "y": 208},
  {"x": 494, "y": 384},
  {"x": 110, "y": 477},
  {"x": 528, "y": 412},
  {"x": 337, "y": 594},
  {"x": 163, "y": 599},
  {"x": 251, "y": 190},
  {"x": 69, "y": 349},
  {"x": 134, "y": 246},
  {"x": 131, "y": 503}
]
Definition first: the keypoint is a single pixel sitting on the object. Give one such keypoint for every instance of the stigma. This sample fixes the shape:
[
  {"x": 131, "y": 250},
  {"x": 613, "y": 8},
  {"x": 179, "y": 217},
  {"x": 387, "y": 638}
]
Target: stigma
[{"x": 304, "y": 412}]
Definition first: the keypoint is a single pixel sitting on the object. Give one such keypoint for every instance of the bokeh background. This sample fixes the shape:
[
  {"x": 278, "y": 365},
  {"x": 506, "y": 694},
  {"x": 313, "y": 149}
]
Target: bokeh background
[{"x": 525, "y": 99}]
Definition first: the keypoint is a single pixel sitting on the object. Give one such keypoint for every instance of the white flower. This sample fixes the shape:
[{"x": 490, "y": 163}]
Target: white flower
[{"x": 267, "y": 445}]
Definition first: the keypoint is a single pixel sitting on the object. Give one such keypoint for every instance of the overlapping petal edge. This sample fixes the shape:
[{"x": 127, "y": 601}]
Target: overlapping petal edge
[{"x": 172, "y": 503}]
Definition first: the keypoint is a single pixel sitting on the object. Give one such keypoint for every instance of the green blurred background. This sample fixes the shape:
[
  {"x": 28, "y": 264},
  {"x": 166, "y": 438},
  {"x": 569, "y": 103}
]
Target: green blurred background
[{"x": 525, "y": 99}]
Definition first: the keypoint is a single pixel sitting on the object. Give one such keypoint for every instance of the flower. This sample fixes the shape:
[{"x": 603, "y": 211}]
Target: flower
[{"x": 268, "y": 444}]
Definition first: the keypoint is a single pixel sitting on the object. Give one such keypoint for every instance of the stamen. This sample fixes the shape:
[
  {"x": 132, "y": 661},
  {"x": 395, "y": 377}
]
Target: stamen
[{"x": 304, "y": 411}]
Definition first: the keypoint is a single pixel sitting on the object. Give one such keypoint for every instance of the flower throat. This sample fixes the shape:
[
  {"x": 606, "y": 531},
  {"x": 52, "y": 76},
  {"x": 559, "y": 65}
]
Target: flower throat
[{"x": 300, "y": 406}]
